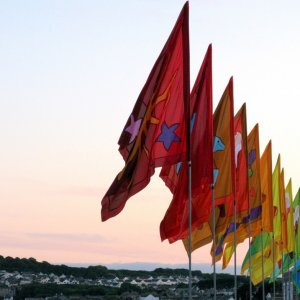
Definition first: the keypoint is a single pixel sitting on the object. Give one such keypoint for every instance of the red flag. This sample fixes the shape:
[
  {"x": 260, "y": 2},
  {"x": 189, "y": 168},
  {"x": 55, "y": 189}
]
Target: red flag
[
  {"x": 223, "y": 169},
  {"x": 154, "y": 134},
  {"x": 174, "y": 225}
]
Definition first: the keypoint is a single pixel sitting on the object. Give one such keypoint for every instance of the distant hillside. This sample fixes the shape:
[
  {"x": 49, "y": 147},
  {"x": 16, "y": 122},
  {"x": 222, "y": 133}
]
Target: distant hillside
[
  {"x": 32, "y": 265},
  {"x": 36, "y": 289}
]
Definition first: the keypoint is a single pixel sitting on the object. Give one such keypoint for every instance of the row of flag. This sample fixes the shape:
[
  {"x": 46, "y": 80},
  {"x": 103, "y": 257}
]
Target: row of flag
[{"x": 175, "y": 129}]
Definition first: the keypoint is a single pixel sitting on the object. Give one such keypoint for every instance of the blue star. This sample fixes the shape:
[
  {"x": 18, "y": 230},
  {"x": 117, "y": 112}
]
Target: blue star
[{"x": 168, "y": 136}]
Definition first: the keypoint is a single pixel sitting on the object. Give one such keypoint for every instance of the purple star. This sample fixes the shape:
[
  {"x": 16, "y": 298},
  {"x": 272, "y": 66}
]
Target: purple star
[
  {"x": 133, "y": 128},
  {"x": 168, "y": 136}
]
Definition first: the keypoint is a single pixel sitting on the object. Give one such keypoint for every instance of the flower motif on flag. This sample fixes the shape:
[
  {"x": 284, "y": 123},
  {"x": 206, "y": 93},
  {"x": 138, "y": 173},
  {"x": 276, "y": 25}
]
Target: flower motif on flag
[
  {"x": 287, "y": 202},
  {"x": 238, "y": 146}
]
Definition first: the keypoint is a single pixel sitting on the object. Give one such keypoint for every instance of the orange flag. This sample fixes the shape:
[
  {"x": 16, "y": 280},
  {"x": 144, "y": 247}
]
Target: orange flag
[
  {"x": 224, "y": 159},
  {"x": 255, "y": 206},
  {"x": 223, "y": 148},
  {"x": 155, "y": 133}
]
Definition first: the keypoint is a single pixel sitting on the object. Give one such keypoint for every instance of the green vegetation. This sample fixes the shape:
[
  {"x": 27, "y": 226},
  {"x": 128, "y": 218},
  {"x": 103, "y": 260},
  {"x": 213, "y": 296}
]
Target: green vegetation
[
  {"x": 31, "y": 265},
  {"x": 224, "y": 281},
  {"x": 48, "y": 290},
  {"x": 92, "y": 272}
]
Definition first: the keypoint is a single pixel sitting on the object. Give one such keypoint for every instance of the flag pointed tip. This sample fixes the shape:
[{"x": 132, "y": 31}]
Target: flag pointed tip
[
  {"x": 230, "y": 84},
  {"x": 186, "y": 5}
]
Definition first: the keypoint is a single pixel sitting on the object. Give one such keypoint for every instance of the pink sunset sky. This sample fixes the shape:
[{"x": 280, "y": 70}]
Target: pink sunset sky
[{"x": 70, "y": 73}]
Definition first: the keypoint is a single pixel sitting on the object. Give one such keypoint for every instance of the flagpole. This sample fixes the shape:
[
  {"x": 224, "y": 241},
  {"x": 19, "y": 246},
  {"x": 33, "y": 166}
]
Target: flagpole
[
  {"x": 296, "y": 258},
  {"x": 296, "y": 241},
  {"x": 214, "y": 240},
  {"x": 283, "y": 280},
  {"x": 235, "y": 278},
  {"x": 273, "y": 247},
  {"x": 250, "y": 260},
  {"x": 289, "y": 277},
  {"x": 190, "y": 227},
  {"x": 186, "y": 83},
  {"x": 262, "y": 263}
]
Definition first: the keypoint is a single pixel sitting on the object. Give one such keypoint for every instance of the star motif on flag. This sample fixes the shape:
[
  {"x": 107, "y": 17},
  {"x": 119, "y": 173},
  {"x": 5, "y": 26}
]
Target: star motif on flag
[
  {"x": 133, "y": 128},
  {"x": 168, "y": 136}
]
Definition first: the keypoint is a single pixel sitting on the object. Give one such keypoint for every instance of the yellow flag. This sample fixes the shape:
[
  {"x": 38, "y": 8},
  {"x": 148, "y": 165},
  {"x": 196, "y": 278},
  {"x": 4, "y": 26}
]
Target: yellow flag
[
  {"x": 256, "y": 270},
  {"x": 266, "y": 188},
  {"x": 290, "y": 219},
  {"x": 284, "y": 240},
  {"x": 276, "y": 205}
]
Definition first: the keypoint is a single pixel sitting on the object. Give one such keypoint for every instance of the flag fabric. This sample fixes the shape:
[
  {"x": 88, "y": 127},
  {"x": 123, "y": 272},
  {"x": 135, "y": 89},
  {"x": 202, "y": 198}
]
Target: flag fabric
[
  {"x": 241, "y": 177},
  {"x": 154, "y": 134},
  {"x": 268, "y": 263},
  {"x": 276, "y": 206},
  {"x": 280, "y": 247},
  {"x": 255, "y": 208},
  {"x": 290, "y": 217},
  {"x": 241, "y": 163},
  {"x": 283, "y": 266},
  {"x": 224, "y": 160},
  {"x": 174, "y": 225},
  {"x": 223, "y": 168},
  {"x": 266, "y": 189},
  {"x": 223, "y": 148},
  {"x": 255, "y": 205},
  {"x": 262, "y": 244},
  {"x": 296, "y": 275},
  {"x": 284, "y": 238},
  {"x": 261, "y": 252},
  {"x": 296, "y": 214}
]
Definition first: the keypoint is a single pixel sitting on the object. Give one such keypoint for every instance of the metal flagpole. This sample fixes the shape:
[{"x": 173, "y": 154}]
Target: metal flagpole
[
  {"x": 214, "y": 240},
  {"x": 262, "y": 263},
  {"x": 235, "y": 278},
  {"x": 250, "y": 260},
  {"x": 273, "y": 246},
  {"x": 282, "y": 275},
  {"x": 289, "y": 279},
  {"x": 186, "y": 63},
  {"x": 296, "y": 240},
  {"x": 190, "y": 226}
]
